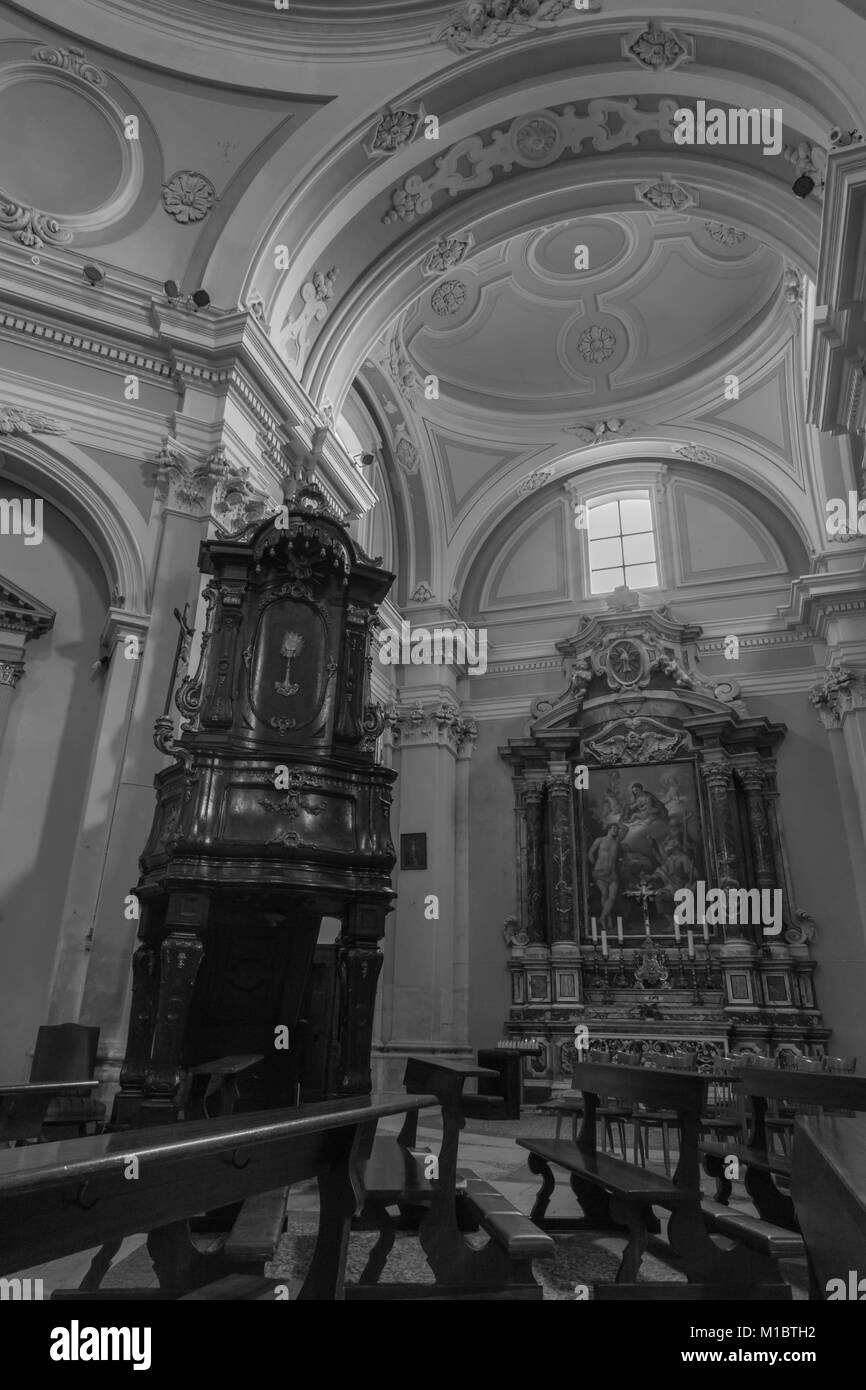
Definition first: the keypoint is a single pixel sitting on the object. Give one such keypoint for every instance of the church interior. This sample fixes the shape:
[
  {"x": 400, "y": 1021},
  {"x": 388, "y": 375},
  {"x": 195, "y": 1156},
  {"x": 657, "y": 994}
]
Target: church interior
[{"x": 433, "y": 761}]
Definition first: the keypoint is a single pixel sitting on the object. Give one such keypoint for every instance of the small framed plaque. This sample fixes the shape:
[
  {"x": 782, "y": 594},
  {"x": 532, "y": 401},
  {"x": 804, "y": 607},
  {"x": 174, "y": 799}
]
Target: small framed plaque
[{"x": 413, "y": 851}]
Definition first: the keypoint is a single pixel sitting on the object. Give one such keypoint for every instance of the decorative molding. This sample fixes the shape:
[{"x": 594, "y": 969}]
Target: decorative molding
[
  {"x": 448, "y": 298},
  {"x": 66, "y": 338},
  {"x": 723, "y": 234},
  {"x": 393, "y": 131},
  {"x": 657, "y": 49},
  {"x": 480, "y": 24},
  {"x": 636, "y": 741},
  {"x": 695, "y": 454},
  {"x": 448, "y": 252},
  {"x": 188, "y": 196},
  {"x": 71, "y": 60},
  {"x": 603, "y": 431},
  {"x": 15, "y": 421},
  {"x": 666, "y": 195},
  {"x": 316, "y": 295},
  {"x": 31, "y": 227},
  {"x": 422, "y": 593},
  {"x": 471, "y": 162}
]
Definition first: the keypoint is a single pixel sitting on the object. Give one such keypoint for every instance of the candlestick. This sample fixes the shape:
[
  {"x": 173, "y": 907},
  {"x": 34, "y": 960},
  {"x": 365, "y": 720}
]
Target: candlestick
[
  {"x": 619, "y": 930},
  {"x": 705, "y": 929},
  {"x": 690, "y": 937},
  {"x": 676, "y": 929},
  {"x": 604, "y": 944},
  {"x": 593, "y": 929}
]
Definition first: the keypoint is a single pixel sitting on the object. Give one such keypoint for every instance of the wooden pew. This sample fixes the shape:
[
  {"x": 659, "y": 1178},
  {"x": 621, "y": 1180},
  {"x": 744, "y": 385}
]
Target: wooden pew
[
  {"x": 440, "y": 1208},
  {"x": 828, "y": 1188},
  {"x": 759, "y": 1085},
  {"x": 56, "y": 1199},
  {"x": 24, "y": 1105},
  {"x": 613, "y": 1192}
]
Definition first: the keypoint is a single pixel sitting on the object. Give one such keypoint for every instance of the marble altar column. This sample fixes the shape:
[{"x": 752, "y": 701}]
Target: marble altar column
[
  {"x": 753, "y": 781},
  {"x": 561, "y": 823},
  {"x": 532, "y": 806}
]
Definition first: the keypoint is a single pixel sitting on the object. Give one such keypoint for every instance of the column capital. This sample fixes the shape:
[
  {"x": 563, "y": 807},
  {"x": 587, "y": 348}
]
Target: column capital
[
  {"x": 212, "y": 486},
  {"x": 841, "y": 691},
  {"x": 441, "y": 725},
  {"x": 11, "y": 672}
]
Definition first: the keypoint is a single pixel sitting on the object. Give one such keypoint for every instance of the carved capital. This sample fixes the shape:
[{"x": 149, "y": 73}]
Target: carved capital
[
  {"x": 841, "y": 691},
  {"x": 440, "y": 724},
  {"x": 11, "y": 672}
]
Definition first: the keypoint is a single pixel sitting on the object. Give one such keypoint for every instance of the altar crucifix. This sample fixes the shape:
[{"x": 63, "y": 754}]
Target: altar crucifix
[{"x": 643, "y": 893}]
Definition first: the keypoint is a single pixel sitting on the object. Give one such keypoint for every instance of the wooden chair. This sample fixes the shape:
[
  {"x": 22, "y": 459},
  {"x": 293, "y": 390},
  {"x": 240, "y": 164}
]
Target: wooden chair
[
  {"x": 645, "y": 1121},
  {"x": 612, "y": 1113},
  {"x": 67, "y": 1052},
  {"x": 726, "y": 1113},
  {"x": 780, "y": 1115}
]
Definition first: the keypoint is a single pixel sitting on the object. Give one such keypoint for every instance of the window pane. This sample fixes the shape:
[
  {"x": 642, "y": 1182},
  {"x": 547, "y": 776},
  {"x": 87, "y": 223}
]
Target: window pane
[
  {"x": 638, "y": 550},
  {"x": 605, "y": 553},
  {"x": 636, "y": 515},
  {"x": 604, "y": 520},
  {"x": 642, "y": 577},
  {"x": 605, "y": 581}
]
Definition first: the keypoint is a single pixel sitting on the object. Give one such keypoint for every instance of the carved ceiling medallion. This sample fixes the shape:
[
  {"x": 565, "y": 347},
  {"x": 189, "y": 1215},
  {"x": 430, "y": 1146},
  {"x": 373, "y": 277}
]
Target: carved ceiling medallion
[
  {"x": 448, "y": 298},
  {"x": 596, "y": 344}
]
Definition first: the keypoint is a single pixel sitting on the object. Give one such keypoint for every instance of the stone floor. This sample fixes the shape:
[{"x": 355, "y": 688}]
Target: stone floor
[{"x": 489, "y": 1149}]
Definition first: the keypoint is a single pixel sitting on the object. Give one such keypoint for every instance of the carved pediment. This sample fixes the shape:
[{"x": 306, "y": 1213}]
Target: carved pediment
[
  {"x": 21, "y": 612},
  {"x": 632, "y": 653}
]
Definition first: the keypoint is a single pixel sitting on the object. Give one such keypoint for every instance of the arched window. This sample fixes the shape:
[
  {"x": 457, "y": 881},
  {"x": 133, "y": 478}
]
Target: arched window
[{"x": 622, "y": 544}]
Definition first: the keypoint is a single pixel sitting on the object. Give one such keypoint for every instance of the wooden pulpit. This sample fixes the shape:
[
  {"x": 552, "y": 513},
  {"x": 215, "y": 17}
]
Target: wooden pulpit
[{"x": 273, "y": 815}]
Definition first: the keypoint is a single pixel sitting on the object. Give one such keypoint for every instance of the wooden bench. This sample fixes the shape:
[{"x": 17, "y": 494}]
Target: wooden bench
[
  {"x": 828, "y": 1188},
  {"x": 56, "y": 1199},
  {"x": 24, "y": 1106},
  {"x": 765, "y": 1170},
  {"x": 613, "y": 1192},
  {"x": 441, "y": 1202}
]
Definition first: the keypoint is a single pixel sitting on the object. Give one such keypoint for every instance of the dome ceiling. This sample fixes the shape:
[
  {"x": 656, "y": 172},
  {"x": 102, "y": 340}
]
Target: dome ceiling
[{"x": 519, "y": 329}]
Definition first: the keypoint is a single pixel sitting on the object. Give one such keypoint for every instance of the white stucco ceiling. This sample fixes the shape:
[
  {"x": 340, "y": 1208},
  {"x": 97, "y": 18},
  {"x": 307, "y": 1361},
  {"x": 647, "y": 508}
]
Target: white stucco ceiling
[{"x": 519, "y": 329}]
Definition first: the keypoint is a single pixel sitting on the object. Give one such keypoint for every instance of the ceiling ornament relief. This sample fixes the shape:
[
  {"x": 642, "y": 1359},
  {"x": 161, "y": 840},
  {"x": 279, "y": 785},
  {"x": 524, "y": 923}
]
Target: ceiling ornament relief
[
  {"x": 499, "y": 150},
  {"x": 725, "y": 236},
  {"x": 31, "y": 227},
  {"x": 65, "y": 140},
  {"x": 596, "y": 344},
  {"x": 603, "y": 431},
  {"x": 393, "y": 131},
  {"x": 72, "y": 60},
  {"x": 400, "y": 369},
  {"x": 15, "y": 421},
  {"x": 666, "y": 194},
  {"x": 695, "y": 454},
  {"x": 656, "y": 49},
  {"x": 794, "y": 289},
  {"x": 407, "y": 454},
  {"x": 188, "y": 196},
  {"x": 448, "y": 252},
  {"x": 480, "y": 24},
  {"x": 422, "y": 593},
  {"x": 810, "y": 160},
  {"x": 316, "y": 295},
  {"x": 448, "y": 298},
  {"x": 533, "y": 481}
]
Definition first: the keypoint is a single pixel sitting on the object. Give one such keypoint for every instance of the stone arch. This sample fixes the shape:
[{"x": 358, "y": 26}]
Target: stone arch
[{"x": 73, "y": 482}]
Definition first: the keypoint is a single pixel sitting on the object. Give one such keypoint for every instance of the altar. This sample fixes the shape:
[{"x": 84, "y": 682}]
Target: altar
[{"x": 645, "y": 792}]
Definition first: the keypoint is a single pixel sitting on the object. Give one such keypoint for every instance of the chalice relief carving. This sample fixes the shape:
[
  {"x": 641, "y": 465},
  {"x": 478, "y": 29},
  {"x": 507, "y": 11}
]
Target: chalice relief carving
[{"x": 292, "y": 645}]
